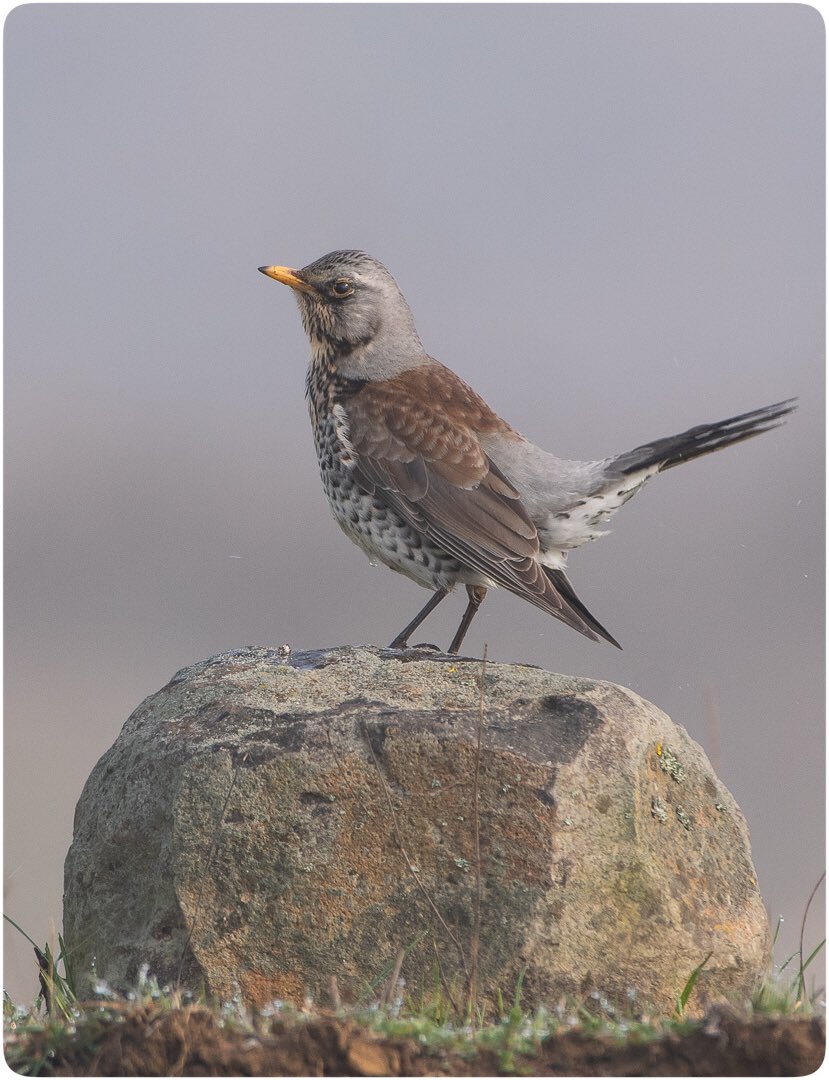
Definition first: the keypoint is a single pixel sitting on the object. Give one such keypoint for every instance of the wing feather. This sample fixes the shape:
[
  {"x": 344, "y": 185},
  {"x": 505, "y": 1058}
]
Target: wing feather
[{"x": 432, "y": 469}]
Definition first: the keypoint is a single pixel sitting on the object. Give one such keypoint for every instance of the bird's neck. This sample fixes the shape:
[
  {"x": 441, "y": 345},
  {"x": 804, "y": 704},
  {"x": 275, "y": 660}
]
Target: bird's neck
[
  {"x": 373, "y": 358},
  {"x": 326, "y": 385}
]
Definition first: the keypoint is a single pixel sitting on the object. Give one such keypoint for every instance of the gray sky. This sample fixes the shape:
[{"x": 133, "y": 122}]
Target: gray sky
[{"x": 608, "y": 219}]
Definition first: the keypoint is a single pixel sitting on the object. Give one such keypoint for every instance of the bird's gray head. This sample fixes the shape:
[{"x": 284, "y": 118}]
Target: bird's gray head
[{"x": 354, "y": 314}]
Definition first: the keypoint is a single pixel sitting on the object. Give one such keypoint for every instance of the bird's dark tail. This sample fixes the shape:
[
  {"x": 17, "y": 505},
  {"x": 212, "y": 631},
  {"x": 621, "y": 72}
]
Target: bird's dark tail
[{"x": 704, "y": 439}]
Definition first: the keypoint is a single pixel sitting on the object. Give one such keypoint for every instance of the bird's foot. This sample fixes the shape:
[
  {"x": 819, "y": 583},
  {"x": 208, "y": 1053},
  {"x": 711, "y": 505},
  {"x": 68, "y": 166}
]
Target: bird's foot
[{"x": 404, "y": 646}]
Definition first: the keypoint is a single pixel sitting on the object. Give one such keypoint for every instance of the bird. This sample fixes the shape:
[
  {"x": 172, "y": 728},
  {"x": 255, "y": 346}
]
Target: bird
[{"x": 427, "y": 479}]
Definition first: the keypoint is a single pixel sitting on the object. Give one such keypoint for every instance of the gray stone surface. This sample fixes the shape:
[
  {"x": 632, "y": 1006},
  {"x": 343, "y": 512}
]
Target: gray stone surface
[{"x": 266, "y": 821}]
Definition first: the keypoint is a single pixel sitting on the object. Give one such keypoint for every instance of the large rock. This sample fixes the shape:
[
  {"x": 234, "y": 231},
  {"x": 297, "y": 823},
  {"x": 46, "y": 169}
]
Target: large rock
[{"x": 266, "y": 821}]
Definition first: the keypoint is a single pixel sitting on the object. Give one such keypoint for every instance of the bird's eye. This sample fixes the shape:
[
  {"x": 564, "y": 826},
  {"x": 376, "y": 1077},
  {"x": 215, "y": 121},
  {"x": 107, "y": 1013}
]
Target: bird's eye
[{"x": 342, "y": 287}]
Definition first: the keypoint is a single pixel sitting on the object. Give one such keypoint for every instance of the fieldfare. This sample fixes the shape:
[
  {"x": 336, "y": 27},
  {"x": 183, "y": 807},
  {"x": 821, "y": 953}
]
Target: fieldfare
[{"x": 426, "y": 478}]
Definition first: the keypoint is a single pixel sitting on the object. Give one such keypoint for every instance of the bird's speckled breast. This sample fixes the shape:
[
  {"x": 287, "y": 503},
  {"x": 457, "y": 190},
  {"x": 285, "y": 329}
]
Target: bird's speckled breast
[{"x": 366, "y": 518}]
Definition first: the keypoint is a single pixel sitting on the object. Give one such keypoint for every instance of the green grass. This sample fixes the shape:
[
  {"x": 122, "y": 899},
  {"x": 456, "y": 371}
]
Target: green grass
[
  {"x": 57, "y": 1022},
  {"x": 34, "y": 1038}
]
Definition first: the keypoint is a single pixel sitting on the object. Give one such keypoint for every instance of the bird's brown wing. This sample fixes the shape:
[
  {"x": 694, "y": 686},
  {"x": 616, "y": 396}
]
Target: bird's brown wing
[{"x": 430, "y": 467}]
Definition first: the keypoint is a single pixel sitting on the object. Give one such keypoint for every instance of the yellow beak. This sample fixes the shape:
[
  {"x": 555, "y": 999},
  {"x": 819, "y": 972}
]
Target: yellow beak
[{"x": 288, "y": 277}]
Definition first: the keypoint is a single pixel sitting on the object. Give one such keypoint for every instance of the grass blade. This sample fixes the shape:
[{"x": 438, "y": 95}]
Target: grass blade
[{"x": 688, "y": 988}]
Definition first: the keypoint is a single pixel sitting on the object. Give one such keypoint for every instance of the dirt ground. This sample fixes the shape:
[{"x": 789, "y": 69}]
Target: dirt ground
[{"x": 190, "y": 1042}]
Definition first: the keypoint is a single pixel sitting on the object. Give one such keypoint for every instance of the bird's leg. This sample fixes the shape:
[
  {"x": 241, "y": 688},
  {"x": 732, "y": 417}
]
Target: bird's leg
[
  {"x": 402, "y": 639},
  {"x": 476, "y": 595}
]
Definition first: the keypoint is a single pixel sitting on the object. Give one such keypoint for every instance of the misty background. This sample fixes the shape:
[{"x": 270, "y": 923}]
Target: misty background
[{"x": 608, "y": 219}]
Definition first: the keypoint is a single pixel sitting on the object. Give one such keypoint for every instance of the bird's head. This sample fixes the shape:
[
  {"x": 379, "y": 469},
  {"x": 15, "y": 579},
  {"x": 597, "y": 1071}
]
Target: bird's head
[{"x": 354, "y": 313}]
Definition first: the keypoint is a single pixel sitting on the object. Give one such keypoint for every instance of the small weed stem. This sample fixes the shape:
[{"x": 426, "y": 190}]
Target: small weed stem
[
  {"x": 409, "y": 864},
  {"x": 475, "y": 944}
]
